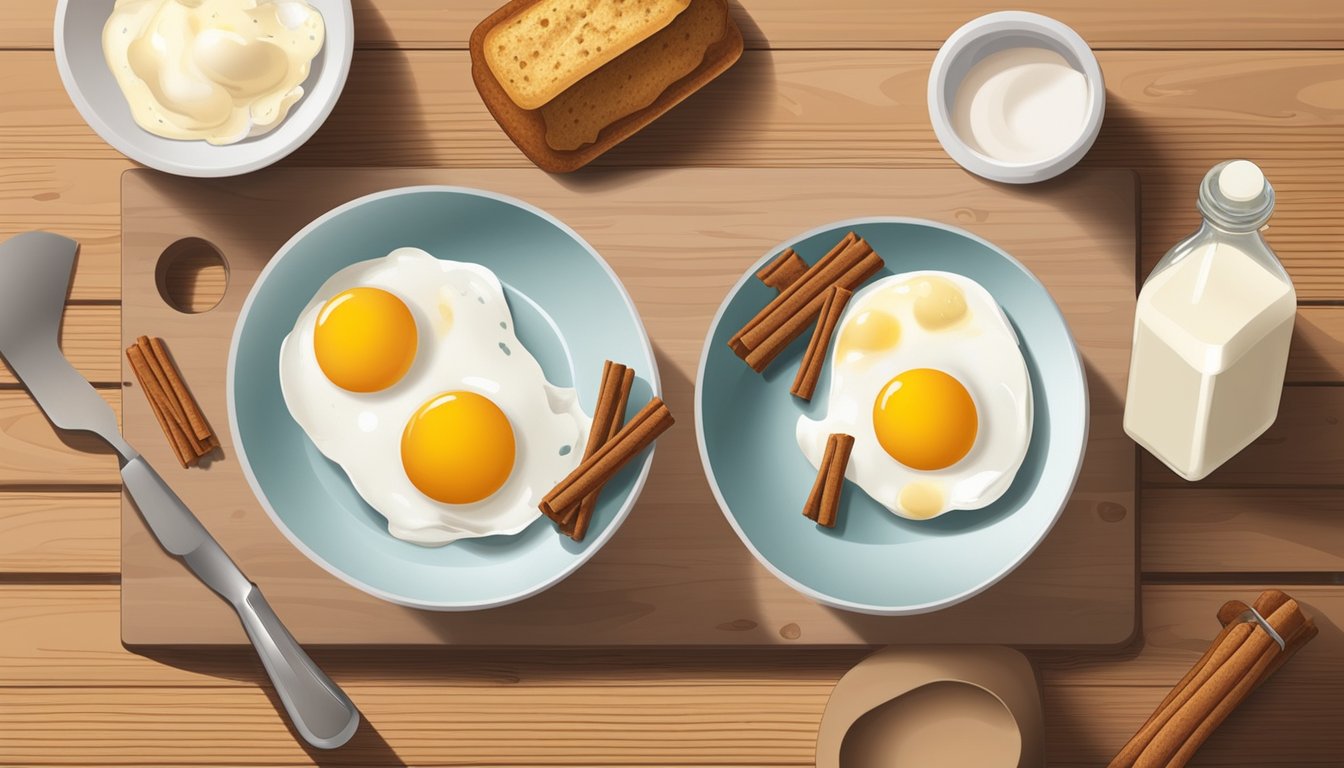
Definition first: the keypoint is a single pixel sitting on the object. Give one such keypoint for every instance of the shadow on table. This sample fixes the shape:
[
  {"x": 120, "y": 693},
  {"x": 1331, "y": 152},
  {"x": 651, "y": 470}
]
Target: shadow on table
[
  {"x": 379, "y": 120},
  {"x": 695, "y": 131},
  {"x": 366, "y": 749}
]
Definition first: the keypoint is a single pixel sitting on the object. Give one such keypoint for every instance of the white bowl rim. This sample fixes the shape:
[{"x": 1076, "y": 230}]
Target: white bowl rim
[
  {"x": 114, "y": 139},
  {"x": 636, "y": 489},
  {"x": 880, "y": 610},
  {"x": 994, "y": 25}
]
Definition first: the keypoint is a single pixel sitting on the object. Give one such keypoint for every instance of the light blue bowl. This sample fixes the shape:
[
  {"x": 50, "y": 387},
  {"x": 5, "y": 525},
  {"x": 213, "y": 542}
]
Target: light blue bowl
[
  {"x": 874, "y": 561},
  {"x": 569, "y": 309}
]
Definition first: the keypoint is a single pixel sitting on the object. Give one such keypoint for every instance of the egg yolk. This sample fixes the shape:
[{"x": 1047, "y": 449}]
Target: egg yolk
[
  {"x": 939, "y": 303},
  {"x": 365, "y": 339},
  {"x": 870, "y": 331},
  {"x": 458, "y": 448},
  {"x": 925, "y": 419}
]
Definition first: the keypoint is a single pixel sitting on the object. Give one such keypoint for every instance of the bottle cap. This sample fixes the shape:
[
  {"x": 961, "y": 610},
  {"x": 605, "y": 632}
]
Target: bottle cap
[
  {"x": 1241, "y": 181},
  {"x": 1236, "y": 195}
]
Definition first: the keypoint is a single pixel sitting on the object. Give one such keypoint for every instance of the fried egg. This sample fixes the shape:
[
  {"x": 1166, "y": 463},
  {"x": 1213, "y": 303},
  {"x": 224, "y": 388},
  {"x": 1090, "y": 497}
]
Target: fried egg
[
  {"x": 406, "y": 371},
  {"x": 928, "y": 377}
]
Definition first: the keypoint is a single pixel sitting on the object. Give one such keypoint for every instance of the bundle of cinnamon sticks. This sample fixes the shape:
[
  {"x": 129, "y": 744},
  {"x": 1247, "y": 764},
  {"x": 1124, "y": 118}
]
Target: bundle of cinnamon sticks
[
  {"x": 179, "y": 416},
  {"x": 802, "y": 295},
  {"x": 1242, "y": 657}
]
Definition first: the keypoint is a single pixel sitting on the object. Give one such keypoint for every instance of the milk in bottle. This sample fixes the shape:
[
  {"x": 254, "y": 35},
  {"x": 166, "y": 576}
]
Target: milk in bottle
[{"x": 1211, "y": 332}]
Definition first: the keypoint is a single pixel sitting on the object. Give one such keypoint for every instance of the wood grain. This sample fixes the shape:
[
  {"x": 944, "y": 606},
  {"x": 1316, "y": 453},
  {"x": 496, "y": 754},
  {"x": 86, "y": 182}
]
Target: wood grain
[
  {"x": 1076, "y": 590},
  {"x": 33, "y": 452},
  {"x": 650, "y": 706},
  {"x": 59, "y": 532},
  {"x": 1211, "y": 530},
  {"x": 849, "y": 23},
  {"x": 1171, "y": 115},
  {"x": 40, "y": 644}
]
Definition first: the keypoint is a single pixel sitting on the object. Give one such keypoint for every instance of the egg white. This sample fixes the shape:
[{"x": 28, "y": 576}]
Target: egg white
[
  {"x": 470, "y": 346},
  {"x": 981, "y": 351}
]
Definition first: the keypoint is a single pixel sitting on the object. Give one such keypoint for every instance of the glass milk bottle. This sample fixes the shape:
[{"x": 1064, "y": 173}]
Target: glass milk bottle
[{"x": 1211, "y": 332}]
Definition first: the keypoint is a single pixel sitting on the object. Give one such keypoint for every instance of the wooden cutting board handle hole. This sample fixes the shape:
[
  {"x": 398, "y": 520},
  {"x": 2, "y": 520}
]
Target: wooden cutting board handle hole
[{"x": 192, "y": 275}]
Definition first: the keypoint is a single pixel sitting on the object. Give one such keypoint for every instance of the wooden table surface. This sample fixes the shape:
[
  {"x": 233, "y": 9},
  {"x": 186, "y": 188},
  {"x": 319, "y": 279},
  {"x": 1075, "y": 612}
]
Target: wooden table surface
[{"x": 1191, "y": 82}]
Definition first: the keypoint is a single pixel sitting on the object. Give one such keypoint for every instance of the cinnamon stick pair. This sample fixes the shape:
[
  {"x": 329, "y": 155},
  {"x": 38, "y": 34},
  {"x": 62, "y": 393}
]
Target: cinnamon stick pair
[
  {"x": 608, "y": 418},
  {"x": 177, "y": 412},
  {"x": 1242, "y": 657},
  {"x": 611, "y": 445},
  {"x": 823, "y": 504},
  {"x": 765, "y": 336}
]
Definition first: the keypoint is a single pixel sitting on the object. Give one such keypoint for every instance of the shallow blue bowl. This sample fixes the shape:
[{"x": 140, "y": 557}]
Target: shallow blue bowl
[
  {"x": 874, "y": 561},
  {"x": 569, "y": 309}
]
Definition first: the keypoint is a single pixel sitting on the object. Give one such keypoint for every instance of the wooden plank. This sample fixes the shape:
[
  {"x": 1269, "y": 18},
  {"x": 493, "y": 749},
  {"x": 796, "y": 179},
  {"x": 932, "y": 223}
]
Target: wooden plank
[
  {"x": 32, "y": 452},
  {"x": 1214, "y": 530},
  {"x": 1317, "y": 354},
  {"x": 850, "y": 23},
  {"x": 61, "y": 662},
  {"x": 678, "y": 576},
  {"x": 1185, "y": 530},
  {"x": 1171, "y": 115},
  {"x": 1302, "y": 448},
  {"x": 1280, "y": 727},
  {"x": 78, "y": 199},
  {"x": 39, "y": 646},
  {"x": 60, "y": 532},
  {"x": 91, "y": 339}
]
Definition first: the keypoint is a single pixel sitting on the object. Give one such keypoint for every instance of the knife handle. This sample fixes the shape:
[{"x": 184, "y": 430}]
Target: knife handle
[{"x": 320, "y": 711}]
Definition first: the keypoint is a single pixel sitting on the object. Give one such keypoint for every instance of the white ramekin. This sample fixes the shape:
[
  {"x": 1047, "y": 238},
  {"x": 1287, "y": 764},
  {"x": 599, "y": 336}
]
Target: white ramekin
[{"x": 990, "y": 34}]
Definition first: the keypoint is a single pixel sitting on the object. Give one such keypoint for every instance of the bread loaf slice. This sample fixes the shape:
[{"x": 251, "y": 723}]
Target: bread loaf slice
[
  {"x": 635, "y": 79},
  {"x": 552, "y": 44}
]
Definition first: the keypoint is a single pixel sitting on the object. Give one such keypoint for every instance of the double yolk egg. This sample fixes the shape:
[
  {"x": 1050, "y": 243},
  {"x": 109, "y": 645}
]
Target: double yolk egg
[
  {"x": 406, "y": 371},
  {"x": 458, "y": 446}
]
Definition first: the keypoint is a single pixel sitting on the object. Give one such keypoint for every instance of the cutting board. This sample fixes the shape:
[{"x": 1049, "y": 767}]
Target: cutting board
[{"x": 674, "y": 574}]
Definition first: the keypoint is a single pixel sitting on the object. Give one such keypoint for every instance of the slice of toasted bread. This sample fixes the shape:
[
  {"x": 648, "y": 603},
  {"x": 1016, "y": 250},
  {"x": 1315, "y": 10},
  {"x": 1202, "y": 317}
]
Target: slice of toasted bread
[
  {"x": 527, "y": 128},
  {"x": 552, "y": 44},
  {"x": 633, "y": 80}
]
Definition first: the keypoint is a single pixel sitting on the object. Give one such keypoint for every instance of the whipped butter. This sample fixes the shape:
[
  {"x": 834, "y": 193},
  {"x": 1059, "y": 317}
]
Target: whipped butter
[{"x": 212, "y": 70}]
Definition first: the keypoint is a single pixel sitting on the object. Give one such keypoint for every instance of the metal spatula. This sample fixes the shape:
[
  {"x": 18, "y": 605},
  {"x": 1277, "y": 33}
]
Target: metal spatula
[{"x": 35, "y": 270}]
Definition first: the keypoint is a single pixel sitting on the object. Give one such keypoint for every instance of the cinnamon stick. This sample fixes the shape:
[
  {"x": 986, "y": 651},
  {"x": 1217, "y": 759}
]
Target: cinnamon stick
[
  {"x": 588, "y": 506},
  {"x": 769, "y": 338},
  {"x": 812, "y": 507},
  {"x": 195, "y": 416},
  {"x": 1241, "y": 658},
  {"x": 835, "y": 481},
  {"x": 172, "y": 406},
  {"x": 1270, "y": 660},
  {"x": 784, "y": 271},
  {"x": 802, "y": 297},
  {"x": 823, "y": 503},
  {"x": 1224, "y": 689},
  {"x": 738, "y": 341},
  {"x": 608, "y": 417},
  {"x": 596, "y": 470},
  {"x": 176, "y": 437},
  {"x": 814, "y": 359}
]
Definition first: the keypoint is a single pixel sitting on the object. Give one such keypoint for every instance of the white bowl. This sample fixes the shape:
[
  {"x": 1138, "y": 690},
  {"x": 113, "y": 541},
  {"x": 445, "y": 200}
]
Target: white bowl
[
  {"x": 990, "y": 34},
  {"x": 94, "y": 90}
]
